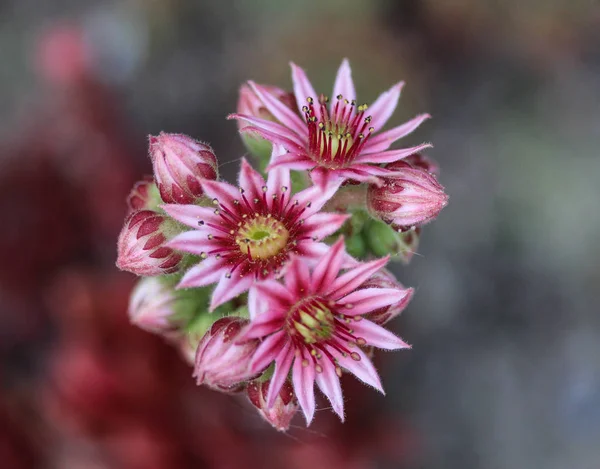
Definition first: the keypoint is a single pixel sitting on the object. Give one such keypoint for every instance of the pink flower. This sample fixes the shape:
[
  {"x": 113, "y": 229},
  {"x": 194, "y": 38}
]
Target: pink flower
[
  {"x": 335, "y": 142},
  {"x": 385, "y": 279},
  {"x": 142, "y": 246},
  {"x": 412, "y": 196},
  {"x": 221, "y": 363},
  {"x": 280, "y": 414},
  {"x": 250, "y": 104},
  {"x": 313, "y": 327},
  {"x": 252, "y": 230},
  {"x": 151, "y": 305},
  {"x": 180, "y": 163}
]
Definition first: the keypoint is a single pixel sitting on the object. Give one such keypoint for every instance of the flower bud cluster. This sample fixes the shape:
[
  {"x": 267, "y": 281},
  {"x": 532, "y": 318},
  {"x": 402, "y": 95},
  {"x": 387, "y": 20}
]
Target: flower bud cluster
[{"x": 276, "y": 286}]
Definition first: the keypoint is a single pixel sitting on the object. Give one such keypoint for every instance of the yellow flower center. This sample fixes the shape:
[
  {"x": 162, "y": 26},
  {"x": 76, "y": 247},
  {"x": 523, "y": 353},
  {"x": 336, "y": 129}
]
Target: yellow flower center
[
  {"x": 312, "y": 320},
  {"x": 262, "y": 237}
]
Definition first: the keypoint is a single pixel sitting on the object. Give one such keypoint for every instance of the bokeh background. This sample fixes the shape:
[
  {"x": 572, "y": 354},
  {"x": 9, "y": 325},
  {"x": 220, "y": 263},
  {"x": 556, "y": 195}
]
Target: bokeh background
[{"x": 505, "y": 367}]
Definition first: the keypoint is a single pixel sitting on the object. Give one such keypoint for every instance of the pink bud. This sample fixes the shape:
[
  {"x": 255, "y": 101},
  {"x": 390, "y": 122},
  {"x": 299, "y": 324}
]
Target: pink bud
[
  {"x": 411, "y": 197},
  {"x": 180, "y": 164},
  {"x": 221, "y": 363},
  {"x": 250, "y": 105},
  {"x": 385, "y": 279},
  {"x": 141, "y": 246},
  {"x": 151, "y": 305},
  {"x": 141, "y": 196},
  {"x": 286, "y": 405}
]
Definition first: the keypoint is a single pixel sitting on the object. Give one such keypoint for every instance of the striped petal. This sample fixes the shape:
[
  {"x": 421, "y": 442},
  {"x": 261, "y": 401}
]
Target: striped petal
[{"x": 383, "y": 140}]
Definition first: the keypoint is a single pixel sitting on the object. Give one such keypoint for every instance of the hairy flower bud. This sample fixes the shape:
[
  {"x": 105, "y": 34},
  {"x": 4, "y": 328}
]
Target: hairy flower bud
[
  {"x": 151, "y": 306},
  {"x": 220, "y": 362},
  {"x": 385, "y": 279},
  {"x": 141, "y": 247},
  {"x": 143, "y": 196},
  {"x": 250, "y": 104},
  {"x": 411, "y": 197},
  {"x": 280, "y": 414},
  {"x": 180, "y": 163}
]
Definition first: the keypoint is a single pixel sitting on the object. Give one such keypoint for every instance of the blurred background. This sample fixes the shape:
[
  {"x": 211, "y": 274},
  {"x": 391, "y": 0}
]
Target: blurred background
[{"x": 505, "y": 326}]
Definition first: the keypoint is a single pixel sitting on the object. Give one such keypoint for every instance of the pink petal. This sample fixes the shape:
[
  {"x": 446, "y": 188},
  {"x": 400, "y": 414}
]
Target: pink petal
[
  {"x": 190, "y": 215},
  {"x": 322, "y": 177},
  {"x": 383, "y": 107},
  {"x": 391, "y": 156},
  {"x": 369, "y": 299},
  {"x": 329, "y": 383},
  {"x": 195, "y": 242},
  {"x": 271, "y": 127},
  {"x": 343, "y": 84},
  {"x": 207, "y": 272},
  {"x": 283, "y": 363},
  {"x": 303, "y": 89},
  {"x": 279, "y": 110},
  {"x": 229, "y": 288},
  {"x": 297, "y": 277},
  {"x": 278, "y": 182},
  {"x": 273, "y": 138},
  {"x": 224, "y": 192},
  {"x": 275, "y": 293},
  {"x": 316, "y": 197},
  {"x": 383, "y": 140},
  {"x": 363, "y": 369},
  {"x": 352, "y": 279},
  {"x": 303, "y": 378},
  {"x": 297, "y": 161},
  {"x": 266, "y": 323},
  {"x": 257, "y": 304},
  {"x": 377, "y": 336},
  {"x": 321, "y": 225},
  {"x": 328, "y": 267},
  {"x": 251, "y": 181},
  {"x": 267, "y": 351}
]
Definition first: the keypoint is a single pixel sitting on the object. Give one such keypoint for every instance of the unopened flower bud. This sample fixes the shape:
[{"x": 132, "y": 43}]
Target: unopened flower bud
[
  {"x": 221, "y": 363},
  {"x": 385, "y": 279},
  {"x": 143, "y": 196},
  {"x": 382, "y": 240},
  {"x": 423, "y": 162},
  {"x": 411, "y": 197},
  {"x": 250, "y": 105},
  {"x": 180, "y": 163},
  {"x": 141, "y": 247},
  {"x": 151, "y": 306},
  {"x": 283, "y": 410}
]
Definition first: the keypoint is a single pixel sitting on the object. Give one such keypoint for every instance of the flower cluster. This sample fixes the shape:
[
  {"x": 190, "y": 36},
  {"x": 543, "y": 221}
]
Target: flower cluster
[{"x": 276, "y": 284}]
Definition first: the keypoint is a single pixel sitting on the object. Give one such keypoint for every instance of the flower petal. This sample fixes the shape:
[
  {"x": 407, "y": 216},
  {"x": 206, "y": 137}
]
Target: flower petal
[
  {"x": 391, "y": 156},
  {"x": 343, "y": 84},
  {"x": 275, "y": 293},
  {"x": 267, "y": 351},
  {"x": 250, "y": 181},
  {"x": 193, "y": 241},
  {"x": 352, "y": 279},
  {"x": 303, "y": 378},
  {"x": 297, "y": 277},
  {"x": 190, "y": 215},
  {"x": 278, "y": 181},
  {"x": 229, "y": 288},
  {"x": 303, "y": 89},
  {"x": 328, "y": 267},
  {"x": 321, "y": 225},
  {"x": 262, "y": 325},
  {"x": 223, "y": 192},
  {"x": 369, "y": 299},
  {"x": 383, "y": 107},
  {"x": 271, "y": 127},
  {"x": 383, "y": 140},
  {"x": 283, "y": 363},
  {"x": 329, "y": 383},
  {"x": 313, "y": 198},
  {"x": 292, "y": 160},
  {"x": 273, "y": 138},
  {"x": 207, "y": 272},
  {"x": 363, "y": 368},
  {"x": 279, "y": 110},
  {"x": 377, "y": 336}
]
